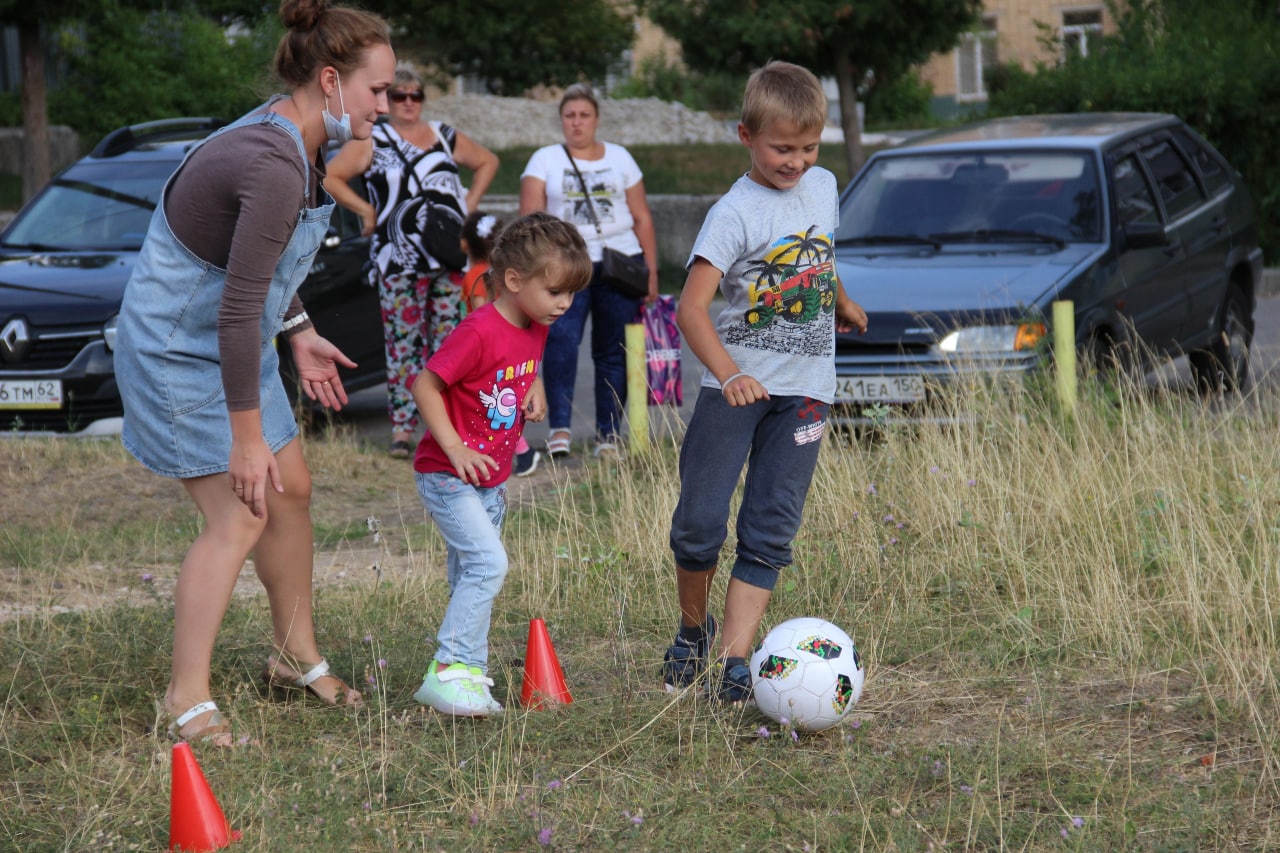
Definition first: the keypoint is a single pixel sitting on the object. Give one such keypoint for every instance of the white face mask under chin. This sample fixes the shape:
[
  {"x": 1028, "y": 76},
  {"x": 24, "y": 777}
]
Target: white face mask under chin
[{"x": 338, "y": 130}]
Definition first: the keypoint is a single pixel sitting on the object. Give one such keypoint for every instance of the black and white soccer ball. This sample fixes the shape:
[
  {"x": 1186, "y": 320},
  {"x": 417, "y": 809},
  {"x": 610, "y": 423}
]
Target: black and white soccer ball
[{"x": 807, "y": 673}]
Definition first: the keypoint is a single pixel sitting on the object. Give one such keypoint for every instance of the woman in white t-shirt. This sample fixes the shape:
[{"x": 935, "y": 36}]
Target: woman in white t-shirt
[{"x": 610, "y": 210}]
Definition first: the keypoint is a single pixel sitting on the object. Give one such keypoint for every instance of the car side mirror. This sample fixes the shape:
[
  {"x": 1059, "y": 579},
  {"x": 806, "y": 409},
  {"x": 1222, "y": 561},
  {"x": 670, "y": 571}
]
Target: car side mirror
[{"x": 1145, "y": 235}]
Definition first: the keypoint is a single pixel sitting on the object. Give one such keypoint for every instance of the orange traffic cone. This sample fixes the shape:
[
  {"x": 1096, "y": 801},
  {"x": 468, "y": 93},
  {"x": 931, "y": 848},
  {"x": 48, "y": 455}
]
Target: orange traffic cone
[
  {"x": 543, "y": 679},
  {"x": 196, "y": 821}
]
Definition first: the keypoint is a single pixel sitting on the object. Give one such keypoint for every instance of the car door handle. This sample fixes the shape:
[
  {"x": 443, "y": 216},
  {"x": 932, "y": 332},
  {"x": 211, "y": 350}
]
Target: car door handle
[{"x": 1219, "y": 223}]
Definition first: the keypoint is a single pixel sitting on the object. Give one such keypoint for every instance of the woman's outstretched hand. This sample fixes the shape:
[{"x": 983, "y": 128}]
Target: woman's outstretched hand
[{"x": 317, "y": 360}]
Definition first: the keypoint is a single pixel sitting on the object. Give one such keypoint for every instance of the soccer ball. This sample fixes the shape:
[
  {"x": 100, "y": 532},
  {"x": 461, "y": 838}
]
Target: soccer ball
[{"x": 808, "y": 672}]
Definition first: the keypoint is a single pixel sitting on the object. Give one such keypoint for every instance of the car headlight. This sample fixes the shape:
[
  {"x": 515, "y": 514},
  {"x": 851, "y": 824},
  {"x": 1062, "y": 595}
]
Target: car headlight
[
  {"x": 993, "y": 339},
  {"x": 109, "y": 332}
]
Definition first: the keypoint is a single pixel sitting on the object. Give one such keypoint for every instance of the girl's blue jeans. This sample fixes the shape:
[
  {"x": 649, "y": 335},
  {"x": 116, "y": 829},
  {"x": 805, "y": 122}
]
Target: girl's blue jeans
[{"x": 470, "y": 520}]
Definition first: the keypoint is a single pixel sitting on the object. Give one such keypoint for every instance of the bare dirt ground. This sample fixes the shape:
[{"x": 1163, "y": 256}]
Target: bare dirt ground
[{"x": 132, "y": 527}]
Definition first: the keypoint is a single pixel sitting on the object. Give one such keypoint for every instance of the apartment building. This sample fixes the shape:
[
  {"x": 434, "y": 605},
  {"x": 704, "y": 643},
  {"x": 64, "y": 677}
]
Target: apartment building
[{"x": 1023, "y": 31}]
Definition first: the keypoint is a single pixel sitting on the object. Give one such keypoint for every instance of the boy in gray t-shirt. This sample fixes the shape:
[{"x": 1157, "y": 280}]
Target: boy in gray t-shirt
[{"x": 770, "y": 371}]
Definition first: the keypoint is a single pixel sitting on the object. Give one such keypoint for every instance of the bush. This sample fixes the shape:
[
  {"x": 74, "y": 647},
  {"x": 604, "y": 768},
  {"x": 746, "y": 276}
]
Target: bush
[
  {"x": 139, "y": 66},
  {"x": 717, "y": 92},
  {"x": 900, "y": 102},
  {"x": 1216, "y": 68}
]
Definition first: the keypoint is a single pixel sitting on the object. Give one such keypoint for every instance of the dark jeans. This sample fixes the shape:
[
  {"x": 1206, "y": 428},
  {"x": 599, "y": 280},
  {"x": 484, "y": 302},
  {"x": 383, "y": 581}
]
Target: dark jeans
[
  {"x": 778, "y": 440},
  {"x": 610, "y": 313}
]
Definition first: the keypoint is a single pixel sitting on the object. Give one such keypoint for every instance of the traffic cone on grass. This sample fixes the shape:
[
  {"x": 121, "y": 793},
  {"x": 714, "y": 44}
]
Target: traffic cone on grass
[
  {"x": 196, "y": 821},
  {"x": 543, "y": 679}
]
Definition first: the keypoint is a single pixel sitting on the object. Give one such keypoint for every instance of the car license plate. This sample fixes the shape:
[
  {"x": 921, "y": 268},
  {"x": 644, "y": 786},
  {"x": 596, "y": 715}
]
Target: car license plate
[
  {"x": 31, "y": 394},
  {"x": 879, "y": 389}
]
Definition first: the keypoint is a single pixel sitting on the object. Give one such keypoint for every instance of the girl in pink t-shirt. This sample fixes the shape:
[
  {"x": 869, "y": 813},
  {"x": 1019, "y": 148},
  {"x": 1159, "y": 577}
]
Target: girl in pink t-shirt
[
  {"x": 475, "y": 395},
  {"x": 479, "y": 230}
]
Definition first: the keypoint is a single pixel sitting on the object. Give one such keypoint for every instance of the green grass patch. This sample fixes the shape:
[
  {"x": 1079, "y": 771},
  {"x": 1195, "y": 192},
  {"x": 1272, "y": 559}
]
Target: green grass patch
[{"x": 1036, "y": 678}]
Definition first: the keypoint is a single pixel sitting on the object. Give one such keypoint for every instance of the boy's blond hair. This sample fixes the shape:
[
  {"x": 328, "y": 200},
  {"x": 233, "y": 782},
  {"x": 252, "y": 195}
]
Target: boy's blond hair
[{"x": 781, "y": 91}]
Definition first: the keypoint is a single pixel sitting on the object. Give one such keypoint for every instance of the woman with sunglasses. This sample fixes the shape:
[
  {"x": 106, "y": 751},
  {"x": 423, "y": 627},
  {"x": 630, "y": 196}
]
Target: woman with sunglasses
[{"x": 410, "y": 170}]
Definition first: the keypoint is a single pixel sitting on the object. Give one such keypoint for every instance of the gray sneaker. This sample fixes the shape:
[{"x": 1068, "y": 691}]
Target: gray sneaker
[
  {"x": 526, "y": 463},
  {"x": 685, "y": 661},
  {"x": 457, "y": 691},
  {"x": 735, "y": 682}
]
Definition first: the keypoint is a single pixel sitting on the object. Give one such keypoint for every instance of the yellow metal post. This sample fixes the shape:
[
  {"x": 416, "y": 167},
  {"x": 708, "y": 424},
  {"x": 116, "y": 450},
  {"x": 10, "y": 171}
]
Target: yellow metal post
[
  {"x": 1064, "y": 352},
  {"x": 637, "y": 388}
]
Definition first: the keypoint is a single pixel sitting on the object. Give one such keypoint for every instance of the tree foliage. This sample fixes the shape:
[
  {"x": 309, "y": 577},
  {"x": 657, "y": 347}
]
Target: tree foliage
[
  {"x": 1215, "y": 65},
  {"x": 718, "y": 92},
  {"x": 131, "y": 66},
  {"x": 858, "y": 43},
  {"x": 126, "y": 61},
  {"x": 513, "y": 45}
]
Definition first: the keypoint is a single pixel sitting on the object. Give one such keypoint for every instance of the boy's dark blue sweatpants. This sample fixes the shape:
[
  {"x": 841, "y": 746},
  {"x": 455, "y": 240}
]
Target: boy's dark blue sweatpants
[{"x": 778, "y": 439}]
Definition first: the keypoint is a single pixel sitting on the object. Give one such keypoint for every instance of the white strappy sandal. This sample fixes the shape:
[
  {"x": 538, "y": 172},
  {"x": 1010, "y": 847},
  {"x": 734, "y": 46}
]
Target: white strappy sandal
[
  {"x": 273, "y": 677},
  {"x": 216, "y": 729},
  {"x": 558, "y": 443}
]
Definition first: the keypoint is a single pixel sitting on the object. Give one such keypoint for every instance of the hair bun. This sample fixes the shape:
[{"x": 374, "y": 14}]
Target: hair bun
[{"x": 302, "y": 14}]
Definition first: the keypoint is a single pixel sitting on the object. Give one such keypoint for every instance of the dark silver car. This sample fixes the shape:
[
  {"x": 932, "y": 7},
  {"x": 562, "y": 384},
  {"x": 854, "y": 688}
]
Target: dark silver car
[
  {"x": 958, "y": 242},
  {"x": 65, "y": 260}
]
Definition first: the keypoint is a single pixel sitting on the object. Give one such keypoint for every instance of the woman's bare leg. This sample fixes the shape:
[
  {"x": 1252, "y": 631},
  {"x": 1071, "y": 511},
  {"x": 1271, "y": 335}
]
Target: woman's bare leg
[
  {"x": 205, "y": 582},
  {"x": 283, "y": 560}
]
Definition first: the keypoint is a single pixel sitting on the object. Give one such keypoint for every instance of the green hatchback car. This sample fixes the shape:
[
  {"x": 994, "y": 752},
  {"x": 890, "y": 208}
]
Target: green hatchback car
[{"x": 958, "y": 242}]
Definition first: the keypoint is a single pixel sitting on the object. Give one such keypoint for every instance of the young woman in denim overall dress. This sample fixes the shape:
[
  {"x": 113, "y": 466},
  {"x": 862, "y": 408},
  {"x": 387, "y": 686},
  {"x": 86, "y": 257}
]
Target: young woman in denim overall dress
[{"x": 243, "y": 467}]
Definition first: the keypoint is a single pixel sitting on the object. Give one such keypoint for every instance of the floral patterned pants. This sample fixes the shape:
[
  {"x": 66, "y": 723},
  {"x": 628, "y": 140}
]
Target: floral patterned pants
[{"x": 418, "y": 312}]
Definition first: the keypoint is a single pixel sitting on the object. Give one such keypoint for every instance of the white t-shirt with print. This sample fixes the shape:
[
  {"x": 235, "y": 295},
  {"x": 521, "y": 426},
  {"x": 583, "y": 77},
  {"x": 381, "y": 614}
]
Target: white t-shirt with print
[
  {"x": 775, "y": 250},
  {"x": 608, "y": 179}
]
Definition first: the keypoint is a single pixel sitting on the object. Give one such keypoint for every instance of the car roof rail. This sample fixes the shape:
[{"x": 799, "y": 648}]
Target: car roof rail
[{"x": 128, "y": 138}]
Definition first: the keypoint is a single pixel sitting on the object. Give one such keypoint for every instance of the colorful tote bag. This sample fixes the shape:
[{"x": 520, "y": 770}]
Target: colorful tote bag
[{"x": 662, "y": 351}]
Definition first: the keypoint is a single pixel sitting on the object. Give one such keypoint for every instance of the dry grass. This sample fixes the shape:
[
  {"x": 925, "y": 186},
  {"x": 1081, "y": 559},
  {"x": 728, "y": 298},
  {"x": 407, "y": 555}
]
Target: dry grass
[{"x": 1069, "y": 626}]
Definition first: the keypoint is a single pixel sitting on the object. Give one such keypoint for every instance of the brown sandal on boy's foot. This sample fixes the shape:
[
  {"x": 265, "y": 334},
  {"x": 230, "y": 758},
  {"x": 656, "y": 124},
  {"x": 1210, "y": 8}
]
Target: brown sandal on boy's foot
[
  {"x": 217, "y": 732},
  {"x": 280, "y": 674}
]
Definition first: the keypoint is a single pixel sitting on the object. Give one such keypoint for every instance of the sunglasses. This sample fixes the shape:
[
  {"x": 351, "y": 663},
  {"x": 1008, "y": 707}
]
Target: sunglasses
[{"x": 401, "y": 97}]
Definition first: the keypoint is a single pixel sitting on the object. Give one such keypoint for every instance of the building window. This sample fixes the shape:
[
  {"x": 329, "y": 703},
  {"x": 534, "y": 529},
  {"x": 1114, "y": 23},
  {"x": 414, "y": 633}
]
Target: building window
[
  {"x": 1080, "y": 28},
  {"x": 976, "y": 53}
]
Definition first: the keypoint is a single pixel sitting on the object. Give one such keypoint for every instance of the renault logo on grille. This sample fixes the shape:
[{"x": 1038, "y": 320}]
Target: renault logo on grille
[{"x": 15, "y": 340}]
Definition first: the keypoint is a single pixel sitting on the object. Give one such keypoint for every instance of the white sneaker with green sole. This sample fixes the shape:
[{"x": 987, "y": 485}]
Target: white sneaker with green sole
[{"x": 457, "y": 690}]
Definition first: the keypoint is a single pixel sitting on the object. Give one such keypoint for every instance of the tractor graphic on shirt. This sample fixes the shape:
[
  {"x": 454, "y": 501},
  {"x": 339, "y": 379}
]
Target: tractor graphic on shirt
[{"x": 795, "y": 281}]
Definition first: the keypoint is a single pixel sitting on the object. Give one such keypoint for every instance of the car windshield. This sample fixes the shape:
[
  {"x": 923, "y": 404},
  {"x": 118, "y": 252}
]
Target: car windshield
[
  {"x": 92, "y": 207},
  {"x": 1051, "y": 195}
]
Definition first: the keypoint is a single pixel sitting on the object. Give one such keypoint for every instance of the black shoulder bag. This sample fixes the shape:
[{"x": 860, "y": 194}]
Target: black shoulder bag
[{"x": 620, "y": 272}]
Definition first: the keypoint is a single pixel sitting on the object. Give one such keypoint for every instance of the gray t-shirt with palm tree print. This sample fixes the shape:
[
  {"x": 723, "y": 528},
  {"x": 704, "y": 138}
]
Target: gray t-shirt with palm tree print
[{"x": 775, "y": 250}]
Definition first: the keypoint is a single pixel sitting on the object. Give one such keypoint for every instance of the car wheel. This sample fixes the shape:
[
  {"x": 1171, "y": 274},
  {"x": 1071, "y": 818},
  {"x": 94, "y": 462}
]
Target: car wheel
[
  {"x": 1223, "y": 366},
  {"x": 1106, "y": 356}
]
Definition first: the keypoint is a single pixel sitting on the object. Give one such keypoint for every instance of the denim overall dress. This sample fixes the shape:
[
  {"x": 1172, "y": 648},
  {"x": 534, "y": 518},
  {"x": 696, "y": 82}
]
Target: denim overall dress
[{"x": 167, "y": 362}]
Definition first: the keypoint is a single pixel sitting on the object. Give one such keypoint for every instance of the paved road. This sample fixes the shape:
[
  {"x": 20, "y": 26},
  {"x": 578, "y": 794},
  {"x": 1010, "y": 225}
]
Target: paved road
[{"x": 367, "y": 411}]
